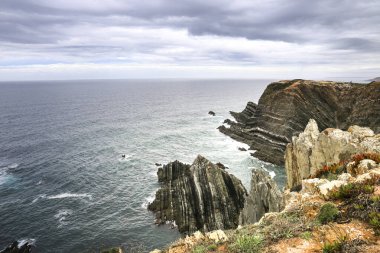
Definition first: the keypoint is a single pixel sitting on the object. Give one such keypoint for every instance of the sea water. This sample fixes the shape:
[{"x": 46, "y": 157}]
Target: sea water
[{"x": 64, "y": 185}]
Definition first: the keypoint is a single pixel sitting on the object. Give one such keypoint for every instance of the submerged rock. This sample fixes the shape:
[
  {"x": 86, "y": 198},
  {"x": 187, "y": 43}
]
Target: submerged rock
[
  {"x": 285, "y": 108},
  {"x": 201, "y": 196},
  {"x": 264, "y": 197},
  {"x": 211, "y": 113},
  {"x": 312, "y": 150}
]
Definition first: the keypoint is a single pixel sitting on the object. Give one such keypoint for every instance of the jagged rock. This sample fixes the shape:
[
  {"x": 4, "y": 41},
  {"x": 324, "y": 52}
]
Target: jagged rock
[
  {"x": 242, "y": 149},
  {"x": 217, "y": 236},
  {"x": 264, "y": 197},
  {"x": 211, "y": 113},
  {"x": 16, "y": 248},
  {"x": 285, "y": 108},
  {"x": 312, "y": 150},
  {"x": 158, "y": 164},
  {"x": 198, "y": 197}
]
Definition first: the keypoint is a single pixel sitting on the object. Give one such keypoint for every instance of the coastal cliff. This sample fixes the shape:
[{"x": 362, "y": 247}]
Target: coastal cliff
[
  {"x": 285, "y": 108},
  {"x": 313, "y": 150},
  {"x": 201, "y": 196},
  {"x": 336, "y": 209}
]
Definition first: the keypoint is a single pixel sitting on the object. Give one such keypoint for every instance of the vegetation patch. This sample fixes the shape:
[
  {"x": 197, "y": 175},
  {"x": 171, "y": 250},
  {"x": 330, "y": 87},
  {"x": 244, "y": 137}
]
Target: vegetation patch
[
  {"x": 333, "y": 247},
  {"x": 247, "y": 244},
  {"x": 372, "y": 156},
  {"x": 351, "y": 190},
  {"x": 328, "y": 213},
  {"x": 332, "y": 171}
]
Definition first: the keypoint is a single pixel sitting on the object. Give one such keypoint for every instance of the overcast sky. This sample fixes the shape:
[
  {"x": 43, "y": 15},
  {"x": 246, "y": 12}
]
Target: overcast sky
[{"x": 74, "y": 39}]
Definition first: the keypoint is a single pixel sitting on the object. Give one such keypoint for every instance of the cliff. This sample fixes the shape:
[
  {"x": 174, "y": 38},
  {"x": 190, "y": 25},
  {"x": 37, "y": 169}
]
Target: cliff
[
  {"x": 336, "y": 209},
  {"x": 313, "y": 150},
  {"x": 263, "y": 197},
  {"x": 201, "y": 196},
  {"x": 285, "y": 108}
]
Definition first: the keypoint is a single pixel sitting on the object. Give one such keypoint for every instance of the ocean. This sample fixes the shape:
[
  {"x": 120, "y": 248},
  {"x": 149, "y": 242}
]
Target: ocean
[{"x": 63, "y": 183}]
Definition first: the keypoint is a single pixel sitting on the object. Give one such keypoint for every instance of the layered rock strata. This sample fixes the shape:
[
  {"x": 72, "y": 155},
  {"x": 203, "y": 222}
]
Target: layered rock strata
[
  {"x": 312, "y": 150},
  {"x": 285, "y": 108},
  {"x": 264, "y": 197},
  {"x": 201, "y": 196}
]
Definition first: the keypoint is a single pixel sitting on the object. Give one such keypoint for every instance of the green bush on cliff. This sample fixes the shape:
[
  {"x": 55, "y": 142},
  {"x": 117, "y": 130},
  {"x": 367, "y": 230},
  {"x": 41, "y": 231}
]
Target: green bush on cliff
[
  {"x": 247, "y": 244},
  {"x": 329, "y": 212},
  {"x": 199, "y": 249}
]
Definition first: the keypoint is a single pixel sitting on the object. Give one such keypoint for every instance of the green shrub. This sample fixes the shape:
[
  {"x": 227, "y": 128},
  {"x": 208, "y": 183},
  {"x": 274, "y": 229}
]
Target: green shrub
[
  {"x": 212, "y": 247},
  {"x": 306, "y": 235},
  {"x": 329, "y": 212},
  {"x": 374, "y": 219},
  {"x": 247, "y": 244},
  {"x": 352, "y": 190},
  {"x": 332, "y": 247},
  {"x": 199, "y": 249}
]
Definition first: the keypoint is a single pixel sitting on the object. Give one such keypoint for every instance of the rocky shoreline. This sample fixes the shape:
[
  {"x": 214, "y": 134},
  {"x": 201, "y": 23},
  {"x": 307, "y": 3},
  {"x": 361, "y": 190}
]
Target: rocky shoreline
[
  {"x": 335, "y": 209},
  {"x": 285, "y": 108},
  {"x": 326, "y": 170}
]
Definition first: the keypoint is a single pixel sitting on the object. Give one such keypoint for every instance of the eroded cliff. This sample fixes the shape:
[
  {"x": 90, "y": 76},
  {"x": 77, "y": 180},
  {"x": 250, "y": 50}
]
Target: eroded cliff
[
  {"x": 285, "y": 108},
  {"x": 313, "y": 150}
]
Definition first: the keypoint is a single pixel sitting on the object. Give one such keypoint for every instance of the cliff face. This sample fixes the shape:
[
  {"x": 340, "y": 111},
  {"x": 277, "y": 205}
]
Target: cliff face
[
  {"x": 336, "y": 210},
  {"x": 285, "y": 108},
  {"x": 202, "y": 196},
  {"x": 312, "y": 150},
  {"x": 264, "y": 197}
]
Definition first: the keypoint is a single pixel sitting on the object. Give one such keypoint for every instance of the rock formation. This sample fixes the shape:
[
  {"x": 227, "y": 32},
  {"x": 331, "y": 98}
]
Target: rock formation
[
  {"x": 285, "y": 108},
  {"x": 201, "y": 196},
  {"x": 16, "y": 248},
  {"x": 264, "y": 197},
  {"x": 329, "y": 214},
  {"x": 312, "y": 150}
]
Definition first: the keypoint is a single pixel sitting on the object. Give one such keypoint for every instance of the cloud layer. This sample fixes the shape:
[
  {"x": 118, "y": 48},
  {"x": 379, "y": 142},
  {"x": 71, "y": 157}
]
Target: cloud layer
[{"x": 277, "y": 37}]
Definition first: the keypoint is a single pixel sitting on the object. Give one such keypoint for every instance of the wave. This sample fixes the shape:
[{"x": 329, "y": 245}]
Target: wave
[
  {"x": 30, "y": 241},
  {"x": 64, "y": 195},
  {"x": 148, "y": 200},
  {"x": 70, "y": 195},
  {"x": 13, "y": 166},
  {"x": 62, "y": 215}
]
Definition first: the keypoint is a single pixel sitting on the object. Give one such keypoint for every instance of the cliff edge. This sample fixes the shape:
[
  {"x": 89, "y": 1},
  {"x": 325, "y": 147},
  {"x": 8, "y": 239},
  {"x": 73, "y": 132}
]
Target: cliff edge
[{"x": 285, "y": 108}]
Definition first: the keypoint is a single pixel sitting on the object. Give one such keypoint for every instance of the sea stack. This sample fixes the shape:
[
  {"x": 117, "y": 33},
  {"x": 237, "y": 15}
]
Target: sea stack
[{"x": 201, "y": 196}]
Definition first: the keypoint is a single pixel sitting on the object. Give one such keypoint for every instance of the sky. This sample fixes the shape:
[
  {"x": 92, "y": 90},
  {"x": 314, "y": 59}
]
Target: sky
[{"x": 101, "y": 39}]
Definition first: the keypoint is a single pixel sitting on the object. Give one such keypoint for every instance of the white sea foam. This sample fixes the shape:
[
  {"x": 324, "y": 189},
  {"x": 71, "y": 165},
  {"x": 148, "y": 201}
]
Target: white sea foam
[
  {"x": 63, "y": 195},
  {"x": 148, "y": 200},
  {"x": 30, "y": 241},
  {"x": 41, "y": 196},
  {"x": 62, "y": 215},
  {"x": 12, "y": 166},
  {"x": 70, "y": 195}
]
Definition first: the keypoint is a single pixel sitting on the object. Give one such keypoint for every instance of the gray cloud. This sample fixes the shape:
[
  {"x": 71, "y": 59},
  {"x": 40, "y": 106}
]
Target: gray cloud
[{"x": 72, "y": 30}]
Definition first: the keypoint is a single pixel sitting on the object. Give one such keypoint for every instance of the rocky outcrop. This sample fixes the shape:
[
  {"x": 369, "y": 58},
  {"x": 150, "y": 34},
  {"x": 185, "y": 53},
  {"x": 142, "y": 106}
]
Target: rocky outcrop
[
  {"x": 264, "y": 197},
  {"x": 15, "y": 247},
  {"x": 312, "y": 150},
  {"x": 201, "y": 196},
  {"x": 285, "y": 108}
]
